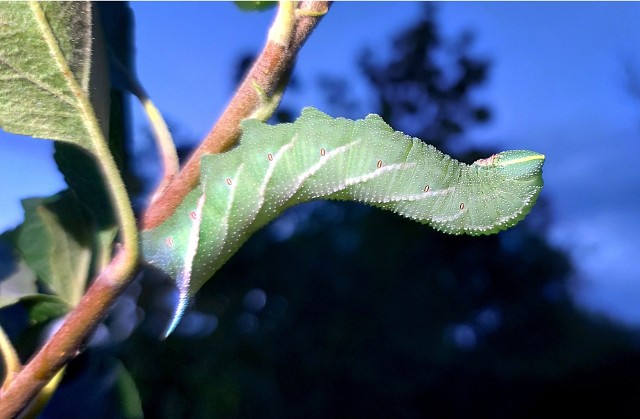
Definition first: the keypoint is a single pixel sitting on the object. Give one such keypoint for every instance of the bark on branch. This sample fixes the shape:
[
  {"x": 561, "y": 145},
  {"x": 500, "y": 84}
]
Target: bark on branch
[{"x": 268, "y": 72}]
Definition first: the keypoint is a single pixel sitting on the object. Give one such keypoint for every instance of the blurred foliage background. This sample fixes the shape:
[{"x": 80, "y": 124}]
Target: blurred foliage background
[{"x": 338, "y": 310}]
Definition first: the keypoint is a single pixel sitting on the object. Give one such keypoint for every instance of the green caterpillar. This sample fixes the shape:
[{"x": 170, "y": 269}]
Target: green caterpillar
[{"x": 319, "y": 157}]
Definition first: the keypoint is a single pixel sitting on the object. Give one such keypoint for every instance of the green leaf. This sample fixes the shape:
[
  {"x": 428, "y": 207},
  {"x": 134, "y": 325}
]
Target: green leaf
[
  {"x": 42, "y": 307},
  {"x": 255, "y": 6},
  {"x": 83, "y": 176},
  {"x": 126, "y": 394},
  {"x": 18, "y": 284},
  {"x": 53, "y": 82},
  {"x": 55, "y": 241},
  {"x": 16, "y": 278}
]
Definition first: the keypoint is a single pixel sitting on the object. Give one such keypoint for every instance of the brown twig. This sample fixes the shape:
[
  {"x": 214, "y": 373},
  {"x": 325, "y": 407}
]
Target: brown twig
[
  {"x": 268, "y": 71},
  {"x": 67, "y": 342}
]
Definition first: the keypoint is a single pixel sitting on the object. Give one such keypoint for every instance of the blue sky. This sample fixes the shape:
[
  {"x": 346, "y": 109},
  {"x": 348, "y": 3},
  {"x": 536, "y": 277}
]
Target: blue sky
[{"x": 557, "y": 85}]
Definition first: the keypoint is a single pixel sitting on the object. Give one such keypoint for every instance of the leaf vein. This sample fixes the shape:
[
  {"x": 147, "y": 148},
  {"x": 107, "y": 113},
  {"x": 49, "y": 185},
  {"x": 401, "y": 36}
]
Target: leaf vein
[{"x": 19, "y": 74}]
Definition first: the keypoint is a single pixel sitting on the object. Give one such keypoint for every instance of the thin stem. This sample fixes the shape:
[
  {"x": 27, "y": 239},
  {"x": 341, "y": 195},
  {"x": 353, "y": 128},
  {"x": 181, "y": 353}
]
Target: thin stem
[
  {"x": 268, "y": 72},
  {"x": 67, "y": 341},
  {"x": 164, "y": 140},
  {"x": 9, "y": 356},
  {"x": 83, "y": 319},
  {"x": 99, "y": 146},
  {"x": 40, "y": 401},
  {"x": 282, "y": 27},
  {"x": 161, "y": 133}
]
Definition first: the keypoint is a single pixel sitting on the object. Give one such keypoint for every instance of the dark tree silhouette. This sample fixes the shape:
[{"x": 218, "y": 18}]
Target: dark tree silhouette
[{"x": 425, "y": 87}]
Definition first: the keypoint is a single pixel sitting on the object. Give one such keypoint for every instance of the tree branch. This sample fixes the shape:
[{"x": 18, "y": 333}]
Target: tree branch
[
  {"x": 268, "y": 72},
  {"x": 67, "y": 342}
]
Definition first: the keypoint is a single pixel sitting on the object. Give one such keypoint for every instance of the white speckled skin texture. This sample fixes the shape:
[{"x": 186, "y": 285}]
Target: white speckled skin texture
[{"x": 319, "y": 157}]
